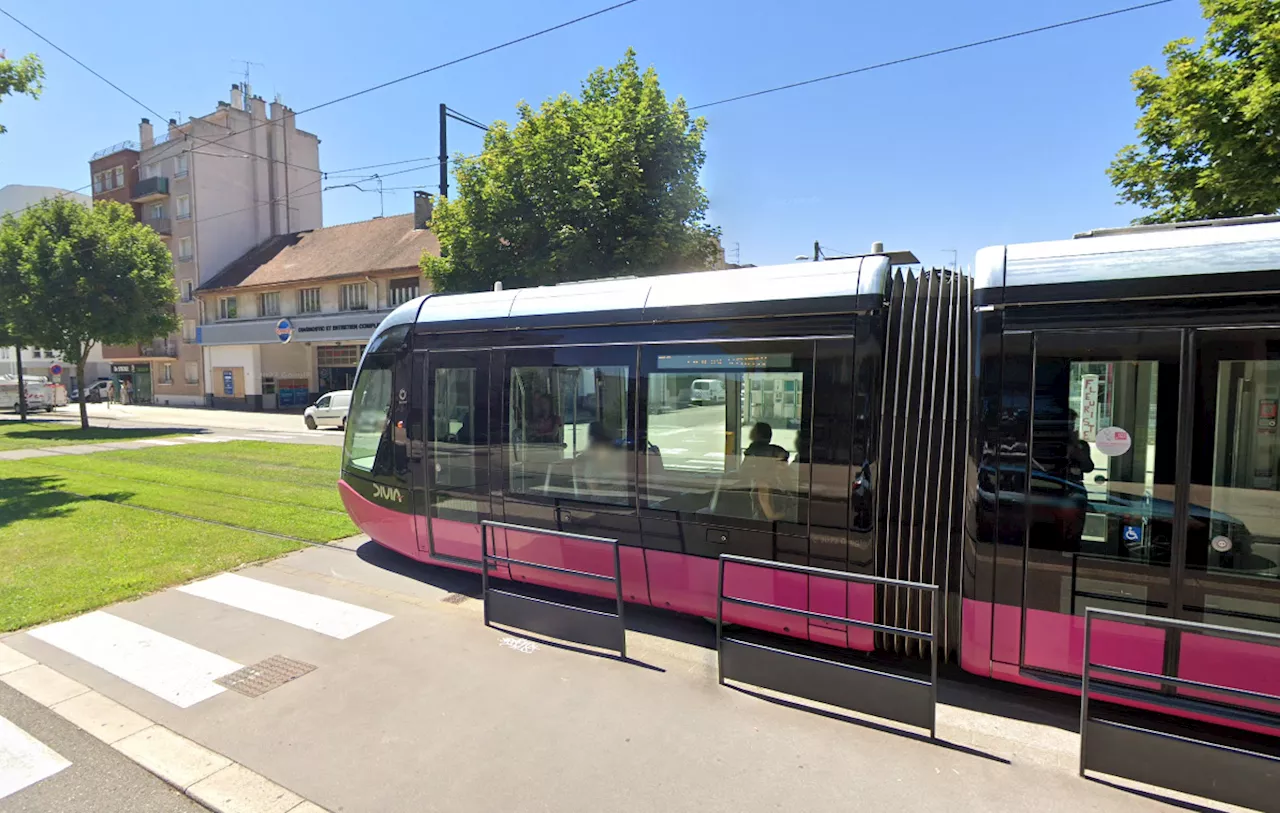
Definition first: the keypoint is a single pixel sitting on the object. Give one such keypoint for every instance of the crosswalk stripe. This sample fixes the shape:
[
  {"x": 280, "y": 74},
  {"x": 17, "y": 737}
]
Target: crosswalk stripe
[
  {"x": 24, "y": 760},
  {"x": 328, "y": 616},
  {"x": 168, "y": 668}
]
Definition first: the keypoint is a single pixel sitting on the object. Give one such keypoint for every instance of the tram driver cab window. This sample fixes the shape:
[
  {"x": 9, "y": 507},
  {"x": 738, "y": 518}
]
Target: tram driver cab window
[
  {"x": 736, "y": 447},
  {"x": 368, "y": 443},
  {"x": 569, "y": 427}
]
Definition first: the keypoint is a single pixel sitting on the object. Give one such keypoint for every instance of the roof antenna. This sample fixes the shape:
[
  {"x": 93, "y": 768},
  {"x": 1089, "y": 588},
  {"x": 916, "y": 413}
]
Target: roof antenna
[{"x": 497, "y": 286}]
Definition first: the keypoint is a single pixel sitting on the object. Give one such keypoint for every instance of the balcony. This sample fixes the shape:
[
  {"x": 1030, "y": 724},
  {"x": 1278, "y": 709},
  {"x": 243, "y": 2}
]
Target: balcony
[
  {"x": 149, "y": 189},
  {"x": 166, "y": 348},
  {"x": 161, "y": 225}
]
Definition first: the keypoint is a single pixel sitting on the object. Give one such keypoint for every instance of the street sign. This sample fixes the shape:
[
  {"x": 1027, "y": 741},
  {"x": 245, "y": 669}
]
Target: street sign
[
  {"x": 284, "y": 331},
  {"x": 55, "y": 369}
]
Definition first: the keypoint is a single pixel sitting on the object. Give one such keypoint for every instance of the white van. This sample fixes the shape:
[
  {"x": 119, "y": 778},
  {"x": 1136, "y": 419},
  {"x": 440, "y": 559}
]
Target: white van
[
  {"x": 707, "y": 391},
  {"x": 330, "y": 410}
]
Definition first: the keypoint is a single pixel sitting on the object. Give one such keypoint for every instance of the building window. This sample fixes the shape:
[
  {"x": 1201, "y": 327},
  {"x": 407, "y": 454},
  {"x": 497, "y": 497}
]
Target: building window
[
  {"x": 166, "y": 373},
  {"x": 180, "y": 165},
  {"x": 309, "y": 300},
  {"x": 269, "y": 304},
  {"x": 188, "y": 290},
  {"x": 156, "y": 211},
  {"x": 35, "y": 352},
  {"x": 184, "y": 248},
  {"x": 188, "y": 330},
  {"x": 97, "y": 182},
  {"x": 401, "y": 291},
  {"x": 151, "y": 171},
  {"x": 184, "y": 207},
  {"x": 119, "y": 173},
  {"x": 193, "y": 372},
  {"x": 355, "y": 297},
  {"x": 227, "y": 307}
]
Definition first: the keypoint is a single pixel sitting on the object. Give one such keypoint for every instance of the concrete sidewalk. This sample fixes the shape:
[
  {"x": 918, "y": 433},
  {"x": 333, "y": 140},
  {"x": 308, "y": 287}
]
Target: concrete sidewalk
[
  {"x": 431, "y": 710},
  {"x": 195, "y": 417}
]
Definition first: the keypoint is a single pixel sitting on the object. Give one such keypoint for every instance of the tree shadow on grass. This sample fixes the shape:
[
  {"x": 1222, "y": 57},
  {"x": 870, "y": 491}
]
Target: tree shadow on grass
[
  {"x": 34, "y": 435},
  {"x": 41, "y": 497}
]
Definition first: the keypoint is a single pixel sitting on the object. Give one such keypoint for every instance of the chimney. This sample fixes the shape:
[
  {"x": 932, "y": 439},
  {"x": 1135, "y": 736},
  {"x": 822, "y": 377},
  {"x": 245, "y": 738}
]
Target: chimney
[
  {"x": 173, "y": 127},
  {"x": 421, "y": 209},
  {"x": 877, "y": 247},
  {"x": 257, "y": 107},
  {"x": 237, "y": 99},
  {"x": 146, "y": 137}
]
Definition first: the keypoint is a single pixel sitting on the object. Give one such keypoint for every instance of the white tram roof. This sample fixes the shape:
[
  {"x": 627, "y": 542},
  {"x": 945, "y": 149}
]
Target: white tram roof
[
  {"x": 1226, "y": 246},
  {"x": 650, "y": 297}
]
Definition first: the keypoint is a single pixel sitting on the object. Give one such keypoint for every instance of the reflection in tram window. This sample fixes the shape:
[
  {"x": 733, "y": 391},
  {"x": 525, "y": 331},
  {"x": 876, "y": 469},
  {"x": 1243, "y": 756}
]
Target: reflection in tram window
[
  {"x": 367, "y": 419},
  {"x": 1243, "y": 503},
  {"x": 570, "y": 434},
  {"x": 739, "y": 455},
  {"x": 457, "y": 444}
]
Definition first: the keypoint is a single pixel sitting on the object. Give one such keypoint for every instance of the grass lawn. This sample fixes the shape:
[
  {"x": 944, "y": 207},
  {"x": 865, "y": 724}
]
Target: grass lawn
[
  {"x": 36, "y": 433},
  {"x": 72, "y": 537}
]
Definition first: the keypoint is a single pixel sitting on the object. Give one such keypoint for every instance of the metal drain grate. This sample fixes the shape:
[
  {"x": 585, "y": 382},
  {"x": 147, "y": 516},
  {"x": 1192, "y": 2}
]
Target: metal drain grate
[
  {"x": 260, "y": 678},
  {"x": 455, "y": 598}
]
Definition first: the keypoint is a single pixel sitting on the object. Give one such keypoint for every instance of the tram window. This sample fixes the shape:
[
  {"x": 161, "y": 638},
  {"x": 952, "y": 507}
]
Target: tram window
[
  {"x": 368, "y": 440},
  {"x": 458, "y": 443},
  {"x": 734, "y": 447},
  {"x": 1241, "y": 506},
  {"x": 570, "y": 433}
]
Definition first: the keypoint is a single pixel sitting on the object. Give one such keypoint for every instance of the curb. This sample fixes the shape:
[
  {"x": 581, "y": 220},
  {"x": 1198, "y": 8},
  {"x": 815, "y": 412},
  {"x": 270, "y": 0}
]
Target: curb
[{"x": 211, "y": 779}]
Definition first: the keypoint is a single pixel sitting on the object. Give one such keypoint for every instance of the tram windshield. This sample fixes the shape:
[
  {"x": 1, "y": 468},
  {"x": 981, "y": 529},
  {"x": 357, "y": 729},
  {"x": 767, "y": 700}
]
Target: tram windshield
[{"x": 367, "y": 420}]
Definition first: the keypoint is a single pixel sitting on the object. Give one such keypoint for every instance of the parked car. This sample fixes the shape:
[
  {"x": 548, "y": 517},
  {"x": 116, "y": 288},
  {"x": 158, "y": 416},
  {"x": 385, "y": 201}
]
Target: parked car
[
  {"x": 97, "y": 392},
  {"x": 330, "y": 410},
  {"x": 707, "y": 391}
]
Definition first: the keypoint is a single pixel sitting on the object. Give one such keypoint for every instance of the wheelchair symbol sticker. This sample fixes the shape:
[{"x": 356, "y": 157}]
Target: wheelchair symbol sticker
[{"x": 1133, "y": 533}]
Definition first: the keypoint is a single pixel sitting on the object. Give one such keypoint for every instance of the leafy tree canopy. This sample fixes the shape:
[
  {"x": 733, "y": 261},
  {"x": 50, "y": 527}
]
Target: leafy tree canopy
[
  {"x": 72, "y": 277},
  {"x": 1209, "y": 130},
  {"x": 21, "y": 76},
  {"x": 602, "y": 185}
]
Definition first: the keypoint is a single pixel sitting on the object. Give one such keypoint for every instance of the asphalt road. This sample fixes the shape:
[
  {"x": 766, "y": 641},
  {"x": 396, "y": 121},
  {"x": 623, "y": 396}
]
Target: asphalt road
[
  {"x": 98, "y": 780},
  {"x": 276, "y": 427}
]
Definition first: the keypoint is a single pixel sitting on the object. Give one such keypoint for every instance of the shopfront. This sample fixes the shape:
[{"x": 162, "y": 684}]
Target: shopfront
[
  {"x": 336, "y": 366},
  {"x": 132, "y": 382},
  {"x": 322, "y": 355}
]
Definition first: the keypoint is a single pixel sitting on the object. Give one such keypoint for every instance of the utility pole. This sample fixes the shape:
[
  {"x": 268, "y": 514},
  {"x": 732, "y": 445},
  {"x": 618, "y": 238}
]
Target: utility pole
[
  {"x": 817, "y": 249},
  {"x": 444, "y": 150},
  {"x": 445, "y": 114}
]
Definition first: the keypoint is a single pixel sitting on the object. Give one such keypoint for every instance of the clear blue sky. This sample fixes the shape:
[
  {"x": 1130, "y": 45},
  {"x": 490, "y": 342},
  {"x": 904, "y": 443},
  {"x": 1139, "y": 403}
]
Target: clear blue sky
[{"x": 1005, "y": 143}]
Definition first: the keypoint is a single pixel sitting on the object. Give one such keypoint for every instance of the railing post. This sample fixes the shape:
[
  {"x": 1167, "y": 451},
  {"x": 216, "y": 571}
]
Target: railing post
[
  {"x": 484, "y": 570},
  {"x": 720, "y": 620},
  {"x": 1084, "y": 686},
  {"x": 933, "y": 661},
  {"x": 617, "y": 583}
]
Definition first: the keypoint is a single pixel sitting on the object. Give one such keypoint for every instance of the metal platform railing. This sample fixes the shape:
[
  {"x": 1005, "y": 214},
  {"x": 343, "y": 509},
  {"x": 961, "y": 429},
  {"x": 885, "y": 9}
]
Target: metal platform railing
[
  {"x": 564, "y": 621},
  {"x": 1207, "y": 769},
  {"x": 871, "y": 691}
]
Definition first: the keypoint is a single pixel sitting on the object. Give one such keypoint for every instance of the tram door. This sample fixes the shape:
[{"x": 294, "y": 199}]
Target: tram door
[
  {"x": 1085, "y": 478},
  {"x": 457, "y": 454},
  {"x": 1232, "y": 558}
]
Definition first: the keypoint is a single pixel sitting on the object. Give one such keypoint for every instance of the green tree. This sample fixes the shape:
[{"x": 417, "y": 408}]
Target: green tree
[
  {"x": 1209, "y": 130},
  {"x": 603, "y": 185},
  {"x": 23, "y": 76},
  {"x": 82, "y": 277}
]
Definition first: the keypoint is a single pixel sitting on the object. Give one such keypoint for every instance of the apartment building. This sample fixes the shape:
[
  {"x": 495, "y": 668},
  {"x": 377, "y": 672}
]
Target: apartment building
[
  {"x": 326, "y": 290},
  {"x": 214, "y": 187}
]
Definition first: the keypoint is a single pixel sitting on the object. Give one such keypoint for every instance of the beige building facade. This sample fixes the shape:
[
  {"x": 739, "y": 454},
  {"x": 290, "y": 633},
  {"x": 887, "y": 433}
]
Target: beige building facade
[
  {"x": 214, "y": 187},
  {"x": 288, "y": 321}
]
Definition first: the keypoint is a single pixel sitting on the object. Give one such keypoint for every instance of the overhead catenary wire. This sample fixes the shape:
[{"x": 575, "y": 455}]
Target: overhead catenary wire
[{"x": 450, "y": 63}]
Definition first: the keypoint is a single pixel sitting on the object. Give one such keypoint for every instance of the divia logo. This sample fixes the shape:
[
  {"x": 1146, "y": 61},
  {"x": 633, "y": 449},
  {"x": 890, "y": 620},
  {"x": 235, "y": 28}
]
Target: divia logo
[{"x": 387, "y": 493}]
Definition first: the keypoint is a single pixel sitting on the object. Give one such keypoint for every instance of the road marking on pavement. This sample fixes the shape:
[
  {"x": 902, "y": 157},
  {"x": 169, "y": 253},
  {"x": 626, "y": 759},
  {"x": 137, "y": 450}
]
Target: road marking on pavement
[
  {"x": 168, "y": 668},
  {"x": 24, "y": 760},
  {"x": 327, "y": 616}
]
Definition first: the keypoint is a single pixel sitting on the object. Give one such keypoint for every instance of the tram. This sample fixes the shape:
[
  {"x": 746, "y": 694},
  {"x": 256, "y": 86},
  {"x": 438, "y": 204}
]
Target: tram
[{"x": 1080, "y": 423}]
